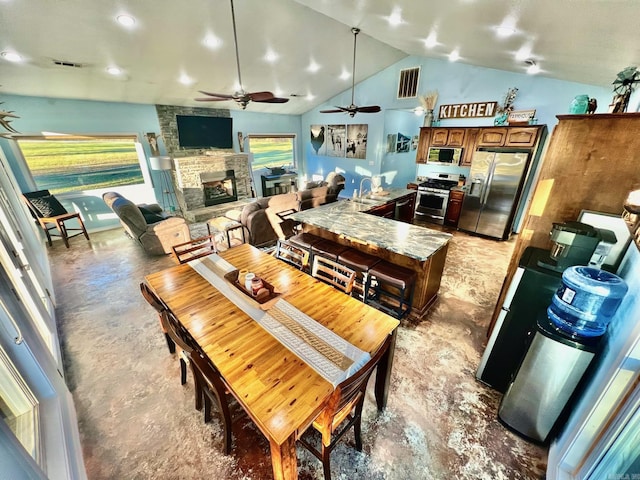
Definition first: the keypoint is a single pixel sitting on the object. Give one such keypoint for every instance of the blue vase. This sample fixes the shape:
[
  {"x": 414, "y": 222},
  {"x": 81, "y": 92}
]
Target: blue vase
[{"x": 579, "y": 105}]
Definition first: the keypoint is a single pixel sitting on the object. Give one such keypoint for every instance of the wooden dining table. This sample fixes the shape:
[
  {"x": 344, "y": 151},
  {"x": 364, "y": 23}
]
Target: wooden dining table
[{"x": 279, "y": 391}]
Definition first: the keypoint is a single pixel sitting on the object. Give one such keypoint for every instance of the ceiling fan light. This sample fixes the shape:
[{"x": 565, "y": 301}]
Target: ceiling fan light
[{"x": 418, "y": 111}]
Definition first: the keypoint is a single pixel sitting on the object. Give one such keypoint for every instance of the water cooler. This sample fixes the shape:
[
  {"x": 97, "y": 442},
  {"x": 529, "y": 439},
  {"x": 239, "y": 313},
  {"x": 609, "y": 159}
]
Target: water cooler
[
  {"x": 538, "y": 276},
  {"x": 565, "y": 343}
]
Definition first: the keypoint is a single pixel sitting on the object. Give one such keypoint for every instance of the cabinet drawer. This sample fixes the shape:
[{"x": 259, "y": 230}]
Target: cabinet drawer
[
  {"x": 492, "y": 137},
  {"x": 521, "y": 137}
]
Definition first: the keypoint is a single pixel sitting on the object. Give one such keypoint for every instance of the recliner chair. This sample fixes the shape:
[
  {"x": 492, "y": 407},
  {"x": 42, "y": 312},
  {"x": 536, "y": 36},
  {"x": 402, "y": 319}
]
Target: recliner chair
[{"x": 147, "y": 225}]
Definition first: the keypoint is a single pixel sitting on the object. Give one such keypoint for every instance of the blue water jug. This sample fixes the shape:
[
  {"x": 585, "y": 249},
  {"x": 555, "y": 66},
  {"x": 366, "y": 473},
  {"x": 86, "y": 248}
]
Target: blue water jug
[
  {"x": 586, "y": 301},
  {"x": 579, "y": 105}
]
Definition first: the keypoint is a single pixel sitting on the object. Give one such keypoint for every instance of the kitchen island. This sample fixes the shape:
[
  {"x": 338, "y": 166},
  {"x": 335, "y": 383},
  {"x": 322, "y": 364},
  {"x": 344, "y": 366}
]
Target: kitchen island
[{"x": 421, "y": 249}]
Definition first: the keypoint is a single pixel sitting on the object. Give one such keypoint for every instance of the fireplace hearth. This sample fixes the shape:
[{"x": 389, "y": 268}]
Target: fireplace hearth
[{"x": 219, "y": 187}]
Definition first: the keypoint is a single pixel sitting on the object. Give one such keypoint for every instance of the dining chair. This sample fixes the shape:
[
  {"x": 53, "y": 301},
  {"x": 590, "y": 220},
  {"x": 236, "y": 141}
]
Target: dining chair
[
  {"x": 333, "y": 273},
  {"x": 51, "y": 215},
  {"x": 180, "y": 338},
  {"x": 196, "y": 248},
  {"x": 159, "y": 307},
  {"x": 344, "y": 405},
  {"x": 208, "y": 382},
  {"x": 291, "y": 254}
]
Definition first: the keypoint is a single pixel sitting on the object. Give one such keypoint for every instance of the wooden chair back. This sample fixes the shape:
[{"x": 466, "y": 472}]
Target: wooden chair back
[
  {"x": 196, "y": 248},
  {"x": 292, "y": 254},
  {"x": 151, "y": 298},
  {"x": 333, "y": 273},
  {"x": 345, "y": 403}
]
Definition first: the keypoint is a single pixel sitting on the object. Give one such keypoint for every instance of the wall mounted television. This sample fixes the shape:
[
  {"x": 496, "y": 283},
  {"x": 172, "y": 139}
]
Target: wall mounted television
[{"x": 204, "y": 132}]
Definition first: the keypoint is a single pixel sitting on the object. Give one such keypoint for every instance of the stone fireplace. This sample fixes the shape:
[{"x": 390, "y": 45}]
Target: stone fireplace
[{"x": 208, "y": 184}]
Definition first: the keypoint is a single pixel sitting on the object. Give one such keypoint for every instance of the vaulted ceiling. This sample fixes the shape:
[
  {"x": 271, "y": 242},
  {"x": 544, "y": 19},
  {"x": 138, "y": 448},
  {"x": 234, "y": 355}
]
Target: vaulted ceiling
[{"x": 586, "y": 41}]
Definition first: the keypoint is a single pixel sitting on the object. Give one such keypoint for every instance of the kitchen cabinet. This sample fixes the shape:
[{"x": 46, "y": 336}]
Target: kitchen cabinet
[
  {"x": 521, "y": 137},
  {"x": 400, "y": 209},
  {"x": 492, "y": 137},
  {"x": 454, "y": 206},
  {"x": 447, "y": 137},
  {"x": 388, "y": 210},
  {"x": 469, "y": 146},
  {"x": 405, "y": 208},
  {"x": 472, "y": 138}
]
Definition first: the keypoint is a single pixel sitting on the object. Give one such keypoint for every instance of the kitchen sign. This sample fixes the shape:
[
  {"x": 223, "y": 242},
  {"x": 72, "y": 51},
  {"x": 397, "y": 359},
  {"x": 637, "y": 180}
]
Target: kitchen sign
[{"x": 468, "y": 110}]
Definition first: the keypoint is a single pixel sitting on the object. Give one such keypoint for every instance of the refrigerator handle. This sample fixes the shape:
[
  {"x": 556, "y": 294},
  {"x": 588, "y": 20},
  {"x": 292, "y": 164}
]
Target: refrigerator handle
[{"x": 487, "y": 184}]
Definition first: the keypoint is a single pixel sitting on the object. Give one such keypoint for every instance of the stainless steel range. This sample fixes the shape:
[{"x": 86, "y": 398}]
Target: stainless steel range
[{"x": 433, "y": 196}]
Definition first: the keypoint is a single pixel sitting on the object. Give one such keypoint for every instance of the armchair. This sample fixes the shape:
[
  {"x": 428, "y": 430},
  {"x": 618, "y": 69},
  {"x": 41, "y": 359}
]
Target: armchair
[
  {"x": 146, "y": 224},
  {"x": 51, "y": 215}
]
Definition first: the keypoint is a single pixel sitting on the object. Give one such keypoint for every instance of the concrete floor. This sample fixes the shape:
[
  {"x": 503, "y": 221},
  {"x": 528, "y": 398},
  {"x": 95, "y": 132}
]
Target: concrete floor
[{"x": 137, "y": 422}]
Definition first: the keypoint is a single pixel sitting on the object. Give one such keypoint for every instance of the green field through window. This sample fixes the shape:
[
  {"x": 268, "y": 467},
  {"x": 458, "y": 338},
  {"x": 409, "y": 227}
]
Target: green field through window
[
  {"x": 272, "y": 152},
  {"x": 76, "y": 165}
]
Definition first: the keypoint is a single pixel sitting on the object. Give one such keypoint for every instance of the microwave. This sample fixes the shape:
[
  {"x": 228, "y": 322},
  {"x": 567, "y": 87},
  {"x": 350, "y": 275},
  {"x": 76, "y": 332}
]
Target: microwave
[{"x": 444, "y": 156}]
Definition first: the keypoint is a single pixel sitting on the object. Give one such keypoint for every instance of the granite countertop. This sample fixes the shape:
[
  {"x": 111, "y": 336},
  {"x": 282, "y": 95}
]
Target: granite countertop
[{"x": 347, "y": 217}]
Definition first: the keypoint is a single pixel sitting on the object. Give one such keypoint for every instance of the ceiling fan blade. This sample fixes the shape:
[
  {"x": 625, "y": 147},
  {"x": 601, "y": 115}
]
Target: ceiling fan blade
[
  {"x": 332, "y": 111},
  {"x": 220, "y": 95},
  {"x": 261, "y": 96},
  {"x": 272, "y": 100},
  {"x": 369, "y": 109},
  {"x": 212, "y": 99}
]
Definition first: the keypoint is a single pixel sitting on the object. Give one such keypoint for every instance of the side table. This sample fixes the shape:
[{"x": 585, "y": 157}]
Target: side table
[{"x": 224, "y": 225}]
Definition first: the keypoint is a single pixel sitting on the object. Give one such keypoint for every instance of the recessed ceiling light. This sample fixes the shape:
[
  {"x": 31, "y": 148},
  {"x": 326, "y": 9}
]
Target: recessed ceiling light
[
  {"x": 532, "y": 68},
  {"x": 186, "y": 79},
  {"x": 503, "y": 31},
  {"x": 271, "y": 56},
  {"x": 345, "y": 75},
  {"x": 114, "y": 70},
  {"x": 313, "y": 67},
  {"x": 212, "y": 41},
  {"x": 431, "y": 41},
  {"x": 310, "y": 96},
  {"x": 126, "y": 20},
  {"x": 11, "y": 56},
  {"x": 454, "y": 56},
  {"x": 523, "y": 53},
  {"x": 396, "y": 17}
]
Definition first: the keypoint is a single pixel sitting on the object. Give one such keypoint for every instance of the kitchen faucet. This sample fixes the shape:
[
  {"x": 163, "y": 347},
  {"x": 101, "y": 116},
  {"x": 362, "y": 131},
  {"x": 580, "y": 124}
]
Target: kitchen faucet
[{"x": 361, "y": 181}]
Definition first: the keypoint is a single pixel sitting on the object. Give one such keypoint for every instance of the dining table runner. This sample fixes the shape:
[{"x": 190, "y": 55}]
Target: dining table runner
[{"x": 327, "y": 353}]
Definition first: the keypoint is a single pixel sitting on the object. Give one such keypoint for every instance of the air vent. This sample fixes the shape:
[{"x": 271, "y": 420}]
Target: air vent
[
  {"x": 408, "y": 84},
  {"x": 62, "y": 63}
]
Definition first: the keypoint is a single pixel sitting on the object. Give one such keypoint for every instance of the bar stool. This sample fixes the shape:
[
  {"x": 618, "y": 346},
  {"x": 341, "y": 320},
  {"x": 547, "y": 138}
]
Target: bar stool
[
  {"x": 360, "y": 262},
  {"x": 392, "y": 282},
  {"x": 305, "y": 241},
  {"x": 327, "y": 249}
]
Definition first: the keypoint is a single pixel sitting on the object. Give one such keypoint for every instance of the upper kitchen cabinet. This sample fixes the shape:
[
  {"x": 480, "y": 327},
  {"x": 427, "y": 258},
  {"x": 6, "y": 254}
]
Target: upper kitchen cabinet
[
  {"x": 424, "y": 143},
  {"x": 447, "y": 137},
  {"x": 470, "y": 140},
  {"x": 508, "y": 137}
]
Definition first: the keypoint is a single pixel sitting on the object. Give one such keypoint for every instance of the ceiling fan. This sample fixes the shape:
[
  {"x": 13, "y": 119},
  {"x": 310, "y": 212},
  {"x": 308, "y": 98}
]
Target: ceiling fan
[
  {"x": 353, "y": 108},
  {"x": 241, "y": 97}
]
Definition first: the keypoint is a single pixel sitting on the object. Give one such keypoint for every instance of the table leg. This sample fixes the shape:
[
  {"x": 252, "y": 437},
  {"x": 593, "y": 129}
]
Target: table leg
[
  {"x": 284, "y": 460},
  {"x": 383, "y": 373}
]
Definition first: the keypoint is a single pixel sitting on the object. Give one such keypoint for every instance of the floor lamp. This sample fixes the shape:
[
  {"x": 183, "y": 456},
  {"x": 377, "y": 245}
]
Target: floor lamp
[{"x": 164, "y": 165}]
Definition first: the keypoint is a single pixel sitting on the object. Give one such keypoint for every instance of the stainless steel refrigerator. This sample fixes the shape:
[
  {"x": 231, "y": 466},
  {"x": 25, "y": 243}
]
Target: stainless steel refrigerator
[{"x": 492, "y": 192}]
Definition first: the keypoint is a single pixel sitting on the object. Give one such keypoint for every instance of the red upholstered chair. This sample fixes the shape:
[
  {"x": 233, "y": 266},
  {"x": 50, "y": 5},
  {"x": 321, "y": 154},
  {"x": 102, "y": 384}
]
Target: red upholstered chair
[{"x": 51, "y": 215}]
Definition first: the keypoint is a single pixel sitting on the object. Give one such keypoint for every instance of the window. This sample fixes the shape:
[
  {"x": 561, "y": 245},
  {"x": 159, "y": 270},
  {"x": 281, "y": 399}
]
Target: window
[
  {"x": 272, "y": 151},
  {"x": 77, "y": 164}
]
